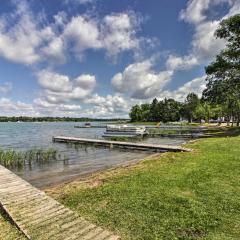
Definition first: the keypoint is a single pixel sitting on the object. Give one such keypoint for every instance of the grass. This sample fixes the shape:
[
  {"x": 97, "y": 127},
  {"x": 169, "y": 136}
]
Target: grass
[
  {"x": 194, "y": 195},
  {"x": 7, "y": 230},
  {"x": 12, "y": 158}
]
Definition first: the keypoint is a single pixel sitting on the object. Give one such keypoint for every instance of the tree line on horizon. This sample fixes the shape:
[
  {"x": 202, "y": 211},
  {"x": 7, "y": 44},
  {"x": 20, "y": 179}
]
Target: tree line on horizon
[
  {"x": 221, "y": 98},
  {"x": 54, "y": 119}
]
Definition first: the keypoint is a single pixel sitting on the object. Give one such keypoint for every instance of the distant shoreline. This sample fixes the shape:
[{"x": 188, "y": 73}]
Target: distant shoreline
[{"x": 58, "y": 119}]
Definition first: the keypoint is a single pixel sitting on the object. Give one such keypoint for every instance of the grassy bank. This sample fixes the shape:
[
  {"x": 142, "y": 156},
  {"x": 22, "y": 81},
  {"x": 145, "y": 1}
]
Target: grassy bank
[
  {"x": 192, "y": 195},
  {"x": 7, "y": 230}
]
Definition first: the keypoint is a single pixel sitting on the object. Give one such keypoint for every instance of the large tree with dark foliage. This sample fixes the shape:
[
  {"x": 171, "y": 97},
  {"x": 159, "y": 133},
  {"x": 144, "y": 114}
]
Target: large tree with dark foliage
[
  {"x": 223, "y": 75},
  {"x": 190, "y": 106}
]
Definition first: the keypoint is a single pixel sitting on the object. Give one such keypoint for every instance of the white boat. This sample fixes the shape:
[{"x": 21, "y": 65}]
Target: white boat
[{"x": 124, "y": 131}]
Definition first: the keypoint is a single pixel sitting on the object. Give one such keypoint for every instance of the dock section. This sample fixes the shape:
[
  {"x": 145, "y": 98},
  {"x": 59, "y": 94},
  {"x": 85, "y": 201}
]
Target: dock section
[
  {"x": 124, "y": 145},
  {"x": 40, "y": 217}
]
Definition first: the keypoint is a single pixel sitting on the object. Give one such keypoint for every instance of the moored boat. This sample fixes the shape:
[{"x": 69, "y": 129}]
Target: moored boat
[{"x": 124, "y": 131}]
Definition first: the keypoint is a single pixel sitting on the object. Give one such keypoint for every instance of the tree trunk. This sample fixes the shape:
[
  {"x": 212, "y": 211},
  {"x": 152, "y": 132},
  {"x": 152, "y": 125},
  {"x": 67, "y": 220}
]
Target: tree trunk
[{"x": 238, "y": 120}]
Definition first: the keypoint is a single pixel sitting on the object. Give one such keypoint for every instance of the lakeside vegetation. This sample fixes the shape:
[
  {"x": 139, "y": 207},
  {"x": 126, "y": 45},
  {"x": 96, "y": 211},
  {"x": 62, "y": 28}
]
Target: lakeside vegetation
[
  {"x": 192, "y": 195},
  {"x": 221, "y": 98},
  {"x": 57, "y": 119},
  {"x": 12, "y": 158}
]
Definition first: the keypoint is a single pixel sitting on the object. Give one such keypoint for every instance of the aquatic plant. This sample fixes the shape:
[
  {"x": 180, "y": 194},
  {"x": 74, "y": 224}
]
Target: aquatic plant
[
  {"x": 125, "y": 139},
  {"x": 12, "y": 158}
]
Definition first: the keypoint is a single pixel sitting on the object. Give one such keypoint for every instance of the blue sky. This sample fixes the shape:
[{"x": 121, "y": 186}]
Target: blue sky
[{"x": 97, "y": 58}]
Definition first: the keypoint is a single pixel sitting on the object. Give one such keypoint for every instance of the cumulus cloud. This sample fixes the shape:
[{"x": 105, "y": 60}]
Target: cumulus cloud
[
  {"x": 59, "y": 88},
  {"x": 204, "y": 45},
  {"x": 11, "y": 108},
  {"x": 86, "y": 81},
  {"x": 119, "y": 32},
  {"x": 18, "y": 43},
  {"x": 39, "y": 107},
  {"x": 46, "y": 106},
  {"x": 55, "y": 50},
  {"x": 5, "y": 87},
  {"x": 54, "y": 81},
  {"x": 196, "y": 85},
  {"x": 194, "y": 13},
  {"x": 140, "y": 81},
  {"x": 27, "y": 38},
  {"x": 83, "y": 33},
  {"x": 82, "y": 2},
  {"x": 109, "y": 106},
  {"x": 180, "y": 63},
  {"x": 115, "y": 33}
]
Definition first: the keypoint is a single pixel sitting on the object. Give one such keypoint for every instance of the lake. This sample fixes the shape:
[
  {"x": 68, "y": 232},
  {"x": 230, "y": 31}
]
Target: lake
[{"x": 78, "y": 162}]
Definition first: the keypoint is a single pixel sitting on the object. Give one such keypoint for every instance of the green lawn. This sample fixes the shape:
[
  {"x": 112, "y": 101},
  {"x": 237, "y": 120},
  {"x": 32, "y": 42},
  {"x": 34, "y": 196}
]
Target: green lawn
[
  {"x": 7, "y": 230},
  {"x": 192, "y": 195}
]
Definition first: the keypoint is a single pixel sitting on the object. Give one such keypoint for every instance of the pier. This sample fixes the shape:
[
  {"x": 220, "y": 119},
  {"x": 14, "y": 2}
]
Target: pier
[
  {"x": 40, "y": 217},
  {"x": 124, "y": 145}
]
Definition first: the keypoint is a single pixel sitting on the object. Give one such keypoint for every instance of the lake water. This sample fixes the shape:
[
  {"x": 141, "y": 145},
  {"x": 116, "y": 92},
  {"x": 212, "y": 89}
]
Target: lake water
[{"x": 80, "y": 161}]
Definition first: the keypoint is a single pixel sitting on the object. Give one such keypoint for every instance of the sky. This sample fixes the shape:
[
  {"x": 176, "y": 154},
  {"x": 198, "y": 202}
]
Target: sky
[{"x": 97, "y": 58}]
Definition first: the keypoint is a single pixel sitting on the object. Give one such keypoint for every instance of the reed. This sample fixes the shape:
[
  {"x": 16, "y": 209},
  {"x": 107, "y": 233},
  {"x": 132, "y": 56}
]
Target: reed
[{"x": 12, "y": 158}]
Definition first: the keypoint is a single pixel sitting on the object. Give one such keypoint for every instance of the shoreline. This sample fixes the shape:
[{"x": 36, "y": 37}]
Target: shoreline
[{"x": 101, "y": 173}]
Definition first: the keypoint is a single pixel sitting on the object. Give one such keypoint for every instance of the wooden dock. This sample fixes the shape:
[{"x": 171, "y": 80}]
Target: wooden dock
[
  {"x": 125, "y": 145},
  {"x": 40, "y": 217}
]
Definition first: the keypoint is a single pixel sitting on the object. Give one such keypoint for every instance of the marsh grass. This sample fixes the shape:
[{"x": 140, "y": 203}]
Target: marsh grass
[
  {"x": 126, "y": 139},
  {"x": 13, "y": 158}
]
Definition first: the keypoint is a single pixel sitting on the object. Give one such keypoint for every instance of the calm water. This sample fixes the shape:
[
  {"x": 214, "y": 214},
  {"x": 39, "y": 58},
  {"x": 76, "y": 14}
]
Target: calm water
[{"x": 23, "y": 136}]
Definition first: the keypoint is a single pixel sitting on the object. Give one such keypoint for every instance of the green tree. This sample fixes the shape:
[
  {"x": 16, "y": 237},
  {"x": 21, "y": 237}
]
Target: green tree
[
  {"x": 200, "y": 113},
  {"x": 136, "y": 113},
  {"x": 153, "y": 111},
  {"x": 189, "y": 107},
  {"x": 145, "y": 108},
  {"x": 223, "y": 75},
  {"x": 170, "y": 110}
]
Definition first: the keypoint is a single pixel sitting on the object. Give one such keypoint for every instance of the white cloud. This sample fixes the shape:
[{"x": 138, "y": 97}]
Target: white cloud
[
  {"x": 86, "y": 81},
  {"x": 24, "y": 40},
  {"x": 58, "y": 88},
  {"x": 83, "y": 33},
  {"x": 109, "y": 106},
  {"x": 177, "y": 62},
  {"x": 115, "y": 33},
  {"x": 27, "y": 38},
  {"x": 11, "y": 108},
  {"x": 39, "y": 107},
  {"x": 119, "y": 32},
  {"x": 80, "y": 1},
  {"x": 196, "y": 85},
  {"x": 54, "y": 81},
  {"x": 18, "y": 43},
  {"x": 194, "y": 11},
  {"x": 55, "y": 50},
  {"x": 140, "y": 81},
  {"x": 44, "y": 105},
  {"x": 204, "y": 45},
  {"x": 5, "y": 88}
]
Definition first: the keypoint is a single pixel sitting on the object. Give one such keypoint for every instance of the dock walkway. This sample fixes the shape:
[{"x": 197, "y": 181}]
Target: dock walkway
[
  {"x": 126, "y": 145},
  {"x": 40, "y": 217}
]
